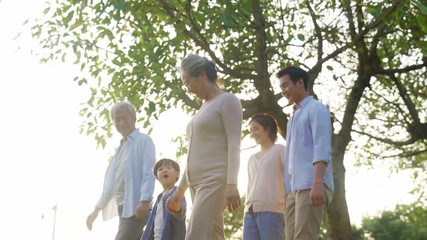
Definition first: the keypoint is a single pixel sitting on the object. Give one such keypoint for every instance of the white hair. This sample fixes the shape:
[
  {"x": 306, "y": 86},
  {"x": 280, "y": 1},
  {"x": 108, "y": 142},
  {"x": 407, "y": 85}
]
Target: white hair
[{"x": 129, "y": 106}]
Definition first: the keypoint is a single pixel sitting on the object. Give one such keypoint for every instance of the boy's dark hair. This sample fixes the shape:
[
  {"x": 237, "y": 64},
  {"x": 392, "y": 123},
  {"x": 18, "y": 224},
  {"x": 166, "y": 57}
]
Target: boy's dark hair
[
  {"x": 165, "y": 162},
  {"x": 295, "y": 74},
  {"x": 266, "y": 121}
]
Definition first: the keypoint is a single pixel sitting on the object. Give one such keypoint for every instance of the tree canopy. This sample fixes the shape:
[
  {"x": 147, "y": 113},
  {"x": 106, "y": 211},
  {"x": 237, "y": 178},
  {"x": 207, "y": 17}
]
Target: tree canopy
[
  {"x": 405, "y": 222},
  {"x": 366, "y": 60}
]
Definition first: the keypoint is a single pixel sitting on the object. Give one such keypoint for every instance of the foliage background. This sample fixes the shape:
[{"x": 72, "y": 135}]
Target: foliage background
[{"x": 366, "y": 61}]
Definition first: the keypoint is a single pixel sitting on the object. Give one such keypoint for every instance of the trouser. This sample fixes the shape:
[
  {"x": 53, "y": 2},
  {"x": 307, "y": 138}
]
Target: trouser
[
  {"x": 302, "y": 221},
  {"x": 129, "y": 228},
  {"x": 206, "y": 220},
  {"x": 263, "y": 226}
]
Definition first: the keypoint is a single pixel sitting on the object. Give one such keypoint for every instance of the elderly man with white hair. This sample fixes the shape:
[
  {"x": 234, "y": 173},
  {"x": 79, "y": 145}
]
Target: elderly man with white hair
[{"x": 129, "y": 183}]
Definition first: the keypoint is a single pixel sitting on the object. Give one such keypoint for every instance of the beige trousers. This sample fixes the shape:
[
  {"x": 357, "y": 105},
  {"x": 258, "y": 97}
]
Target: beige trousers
[
  {"x": 206, "y": 220},
  {"x": 302, "y": 221}
]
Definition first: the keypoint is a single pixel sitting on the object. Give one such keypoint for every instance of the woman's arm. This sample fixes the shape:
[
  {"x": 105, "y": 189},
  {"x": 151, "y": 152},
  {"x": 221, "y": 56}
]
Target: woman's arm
[{"x": 232, "y": 117}]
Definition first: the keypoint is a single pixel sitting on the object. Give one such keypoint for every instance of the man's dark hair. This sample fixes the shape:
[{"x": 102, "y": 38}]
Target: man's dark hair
[{"x": 295, "y": 74}]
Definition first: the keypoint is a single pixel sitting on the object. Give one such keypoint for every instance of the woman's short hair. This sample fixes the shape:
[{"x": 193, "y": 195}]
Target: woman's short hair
[
  {"x": 267, "y": 122},
  {"x": 195, "y": 64}
]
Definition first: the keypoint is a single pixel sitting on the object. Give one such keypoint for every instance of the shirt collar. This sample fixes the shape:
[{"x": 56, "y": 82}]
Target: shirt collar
[
  {"x": 131, "y": 136},
  {"x": 303, "y": 103}
]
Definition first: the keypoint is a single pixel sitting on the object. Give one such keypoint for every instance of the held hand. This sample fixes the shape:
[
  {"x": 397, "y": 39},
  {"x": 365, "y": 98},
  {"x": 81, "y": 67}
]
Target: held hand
[
  {"x": 173, "y": 203},
  {"x": 317, "y": 195},
  {"x": 91, "y": 218},
  {"x": 233, "y": 197},
  {"x": 142, "y": 210}
]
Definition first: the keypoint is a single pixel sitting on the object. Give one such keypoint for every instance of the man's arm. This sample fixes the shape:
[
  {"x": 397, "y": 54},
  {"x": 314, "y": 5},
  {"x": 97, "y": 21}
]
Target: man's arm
[
  {"x": 322, "y": 133},
  {"x": 317, "y": 195},
  {"x": 91, "y": 218},
  {"x": 148, "y": 158},
  {"x": 142, "y": 210}
]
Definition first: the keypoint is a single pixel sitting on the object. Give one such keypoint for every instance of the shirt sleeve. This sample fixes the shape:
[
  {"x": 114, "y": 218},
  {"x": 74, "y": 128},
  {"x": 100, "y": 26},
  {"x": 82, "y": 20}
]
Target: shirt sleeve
[
  {"x": 148, "y": 159},
  {"x": 232, "y": 117},
  {"x": 321, "y": 133},
  {"x": 282, "y": 155},
  {"x": 108, "y": 187}
]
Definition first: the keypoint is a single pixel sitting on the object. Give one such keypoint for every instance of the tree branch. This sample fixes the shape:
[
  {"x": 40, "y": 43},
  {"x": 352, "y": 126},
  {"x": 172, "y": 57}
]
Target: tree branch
[
  {"x": 402, "y": 70},
  {"x": 201, "y": 41},
  {"x": 314, "y": 72},
  {"x": 361, "y": 35},
  {"x": 350, "y": 18},
  {"x": 406, "y": 99},
  {"x": 393, "y": 103},
  {"x": 407, "y": 154},
  {"x": 262, "y": 82},
  {"x": 385, "y": 140}
]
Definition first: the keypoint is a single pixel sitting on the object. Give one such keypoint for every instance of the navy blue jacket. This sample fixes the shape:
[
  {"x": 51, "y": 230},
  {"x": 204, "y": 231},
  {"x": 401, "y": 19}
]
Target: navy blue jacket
[{"x": 174, "y": 224}]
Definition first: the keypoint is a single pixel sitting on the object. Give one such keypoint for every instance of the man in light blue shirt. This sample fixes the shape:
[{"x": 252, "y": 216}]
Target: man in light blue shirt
[
  {"x": 129, "y": 181},
  {"x": 308, "y": 170}
]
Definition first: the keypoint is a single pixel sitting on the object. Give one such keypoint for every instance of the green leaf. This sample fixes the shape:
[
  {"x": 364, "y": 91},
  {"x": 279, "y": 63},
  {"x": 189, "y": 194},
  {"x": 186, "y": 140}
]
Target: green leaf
[
  {"x": 118, "y": 5},
  {"x": 225, "y": 19},
  {"x": 46, "y": 10},
  {"x": 152, "y": 106},
  {"x": 68, "y": 18},
  {"x": 109, "y": 34},
  {"x": 288, "y": 40},
  {"x": 422, "y": 7},
  {"x": 82, "y": 81},
  {"x": 82, "y": 67}
]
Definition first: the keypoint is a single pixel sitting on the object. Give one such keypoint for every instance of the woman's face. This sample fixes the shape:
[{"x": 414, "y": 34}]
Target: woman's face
[
  {"x": 259, "y": 133},
  {"x": 195, "y": 85}
]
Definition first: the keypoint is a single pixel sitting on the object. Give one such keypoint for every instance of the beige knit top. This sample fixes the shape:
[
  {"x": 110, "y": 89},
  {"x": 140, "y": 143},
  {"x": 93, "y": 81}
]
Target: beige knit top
[
  {"x": 214, "y": 141},
  {"x": 266, "y": 186}
]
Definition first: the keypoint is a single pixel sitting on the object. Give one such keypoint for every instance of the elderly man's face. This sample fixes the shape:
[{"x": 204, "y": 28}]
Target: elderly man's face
[{"x": 124, "y": 121}]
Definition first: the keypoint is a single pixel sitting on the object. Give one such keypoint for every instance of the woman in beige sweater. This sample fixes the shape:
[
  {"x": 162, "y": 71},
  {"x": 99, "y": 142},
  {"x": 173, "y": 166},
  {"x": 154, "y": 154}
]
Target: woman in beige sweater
[
  {"x": 265, "y": 202},
  {"x": 213, "y": 151}
]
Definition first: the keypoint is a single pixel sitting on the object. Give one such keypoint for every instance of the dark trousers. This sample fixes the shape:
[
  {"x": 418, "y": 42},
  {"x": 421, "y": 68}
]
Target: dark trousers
[{"x": 129, "y": 228}]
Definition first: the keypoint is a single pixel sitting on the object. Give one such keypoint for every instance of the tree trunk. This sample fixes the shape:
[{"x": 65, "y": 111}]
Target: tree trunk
[{"x": 339, "y": 226}]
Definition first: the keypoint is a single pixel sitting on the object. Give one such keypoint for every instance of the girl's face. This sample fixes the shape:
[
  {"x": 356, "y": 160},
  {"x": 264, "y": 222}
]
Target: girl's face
[{"x": 259, "y": 133}]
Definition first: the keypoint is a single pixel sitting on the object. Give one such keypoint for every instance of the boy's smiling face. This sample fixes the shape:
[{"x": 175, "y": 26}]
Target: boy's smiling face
[{"x": 167, "y": 176}]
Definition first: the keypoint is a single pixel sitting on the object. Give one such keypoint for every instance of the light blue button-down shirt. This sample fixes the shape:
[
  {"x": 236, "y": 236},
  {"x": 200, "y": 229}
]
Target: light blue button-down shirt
[
  {"x": 308, "y": 140},
  {"x": 137, "y": 173}
]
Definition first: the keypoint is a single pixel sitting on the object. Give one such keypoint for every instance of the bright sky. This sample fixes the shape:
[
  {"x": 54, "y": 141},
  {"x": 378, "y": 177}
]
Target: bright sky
[{"x": 46, "y": 162}]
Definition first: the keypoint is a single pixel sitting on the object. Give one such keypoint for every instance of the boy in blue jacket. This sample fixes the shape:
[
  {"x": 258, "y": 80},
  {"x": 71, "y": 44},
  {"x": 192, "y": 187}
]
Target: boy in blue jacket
[{"x": 161, "y": 224}]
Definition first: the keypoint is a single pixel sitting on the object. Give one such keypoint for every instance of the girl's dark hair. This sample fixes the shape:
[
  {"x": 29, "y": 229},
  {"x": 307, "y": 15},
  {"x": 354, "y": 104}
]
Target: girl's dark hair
[
  {"x": 165, "y": 162},
  {"x": 266, "y": 121},
  {"x": 194, "y": 64}
]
